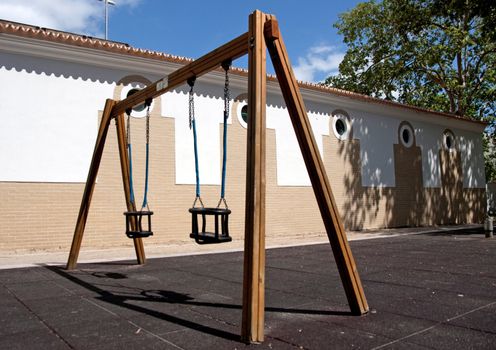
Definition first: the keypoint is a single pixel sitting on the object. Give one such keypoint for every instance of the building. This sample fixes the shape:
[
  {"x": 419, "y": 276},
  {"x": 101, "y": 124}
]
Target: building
[{"x": 390, "y": 165}]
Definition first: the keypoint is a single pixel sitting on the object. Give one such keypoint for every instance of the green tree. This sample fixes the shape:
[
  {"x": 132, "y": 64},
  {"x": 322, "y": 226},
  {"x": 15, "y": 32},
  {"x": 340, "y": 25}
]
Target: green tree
[
  {"x": 437, "y": 54},
  {"x": 489, "y": 155}
]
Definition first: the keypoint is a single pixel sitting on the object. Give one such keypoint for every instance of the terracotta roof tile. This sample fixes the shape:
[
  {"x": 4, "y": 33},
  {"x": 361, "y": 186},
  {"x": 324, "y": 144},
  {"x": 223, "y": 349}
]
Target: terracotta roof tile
[
  {"x": 34, "y": 32},
  {"x": 29, "y": 31}
]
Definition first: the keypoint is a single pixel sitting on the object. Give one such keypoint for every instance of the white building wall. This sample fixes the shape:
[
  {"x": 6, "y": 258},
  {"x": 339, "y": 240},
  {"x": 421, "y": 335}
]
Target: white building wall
[
  {"x": 429, "y": 139},
  {"x": 377, "y": 134},
  {"x": 472, "y": 157},
  {"x": 291, "y": 169},
  {"x": 209, "y": 116},
  {"x": 46, "y": 133}
]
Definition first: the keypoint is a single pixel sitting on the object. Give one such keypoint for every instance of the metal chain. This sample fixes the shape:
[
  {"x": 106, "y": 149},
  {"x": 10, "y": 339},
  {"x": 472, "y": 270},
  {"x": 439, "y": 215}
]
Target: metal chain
[
  {"x": 128, "y": 129},
  {"x": 191, "y": 107},
  {"x": 199, "y": 200},
  {"x": 227, "y": 95},
  {"x": 148, "y": 124}
]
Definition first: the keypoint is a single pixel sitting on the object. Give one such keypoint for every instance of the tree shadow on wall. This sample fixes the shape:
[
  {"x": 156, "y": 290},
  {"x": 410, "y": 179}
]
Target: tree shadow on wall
[
  {"x": 451, "y": 189},
  {"x": 360, "y": 205},
  {"x": 409, "y": 203},
  {"x": 406, "y": 205}
]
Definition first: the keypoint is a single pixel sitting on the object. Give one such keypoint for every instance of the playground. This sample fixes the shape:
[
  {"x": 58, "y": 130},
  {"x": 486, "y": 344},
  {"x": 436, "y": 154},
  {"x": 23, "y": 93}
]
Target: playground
[
  {"x": 430, "y": 289},
  {"x": 434, "y": 290},
  {"x": 263, "y": 35}
]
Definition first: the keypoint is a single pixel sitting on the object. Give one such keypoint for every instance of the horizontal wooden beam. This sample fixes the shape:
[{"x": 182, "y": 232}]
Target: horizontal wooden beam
[{"x": 230, "y": 51}]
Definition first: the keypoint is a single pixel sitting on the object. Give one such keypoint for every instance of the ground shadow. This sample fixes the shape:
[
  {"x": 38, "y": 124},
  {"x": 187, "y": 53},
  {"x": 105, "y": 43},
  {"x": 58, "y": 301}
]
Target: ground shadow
[
  {"x": 477, "y": 231},
  {"x": 171, "y": 297},
  {"x": 122, "y": 301}
]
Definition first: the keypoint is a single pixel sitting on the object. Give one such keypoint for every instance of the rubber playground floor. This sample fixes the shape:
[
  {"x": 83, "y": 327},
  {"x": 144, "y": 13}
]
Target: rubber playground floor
[{"x": 425, "y": 291}]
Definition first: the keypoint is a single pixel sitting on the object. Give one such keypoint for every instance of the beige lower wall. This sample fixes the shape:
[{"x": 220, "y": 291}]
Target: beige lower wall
[
  {"x": 406, "y": 204},
  {"x": 43, "y": 215}
]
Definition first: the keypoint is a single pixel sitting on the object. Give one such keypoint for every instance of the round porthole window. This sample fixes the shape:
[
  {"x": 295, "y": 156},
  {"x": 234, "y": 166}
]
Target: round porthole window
[
  {"x": 406, "y": 135},
  {"x": 449, "y": 140},
  {"x": 341, "y": 126},
  {"x": 137, "y": 108},
  {"x": 242, "y": 113}
]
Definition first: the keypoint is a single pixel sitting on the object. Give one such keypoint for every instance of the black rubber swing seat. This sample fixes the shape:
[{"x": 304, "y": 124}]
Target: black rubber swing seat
[
  {"x": 221, "y": 220},
  {"x": 137, "y": 216}
]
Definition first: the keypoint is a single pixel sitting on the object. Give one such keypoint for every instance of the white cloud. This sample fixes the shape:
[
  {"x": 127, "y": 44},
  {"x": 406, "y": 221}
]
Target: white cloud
[
  {"x": 131, "y": 3},
  {"x": 318, "y": 63},
  {"x": 79, "y": 16}
]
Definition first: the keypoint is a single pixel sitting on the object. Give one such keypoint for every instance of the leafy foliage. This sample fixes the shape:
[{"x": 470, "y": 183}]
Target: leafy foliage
[
  {"x": 437, "y": 54},
  {"x": 489, "y": 155}
]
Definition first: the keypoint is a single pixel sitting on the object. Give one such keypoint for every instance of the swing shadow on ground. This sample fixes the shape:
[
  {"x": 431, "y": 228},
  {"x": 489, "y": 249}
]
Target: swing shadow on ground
[{"x": 172, "y": 297}]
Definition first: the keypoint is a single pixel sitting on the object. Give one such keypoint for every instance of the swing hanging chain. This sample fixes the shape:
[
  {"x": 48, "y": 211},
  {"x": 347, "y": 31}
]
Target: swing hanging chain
[
  {"x": 198, "y": 199},
  {"x": 148, "y": 103},
  {"x": 226, "y": 65},
  {"x": 191, "y": 108},
  {"x": 130, "y": 159},
  {"x": 222, "y": 200},
  {"x": 128, "y": 129},
  {"x": 192, "y": 125},
  {"x": 145, "y": 207},
  {"x": 191, "y": 83},
  {"x": 227, "y": 95}
]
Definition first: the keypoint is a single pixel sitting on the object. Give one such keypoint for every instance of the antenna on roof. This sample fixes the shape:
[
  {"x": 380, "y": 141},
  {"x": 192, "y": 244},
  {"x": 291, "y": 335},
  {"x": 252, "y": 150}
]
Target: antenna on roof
[{"x": 106, "y": 3}]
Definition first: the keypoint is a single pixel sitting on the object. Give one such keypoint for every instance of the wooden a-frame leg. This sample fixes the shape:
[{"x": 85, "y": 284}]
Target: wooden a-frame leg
[
  {"x": 124, "y": 160},
  {"x": 252, "y": 328},
  {"x": 320, "y": 182},
  {"x": 90, "y": 184}
]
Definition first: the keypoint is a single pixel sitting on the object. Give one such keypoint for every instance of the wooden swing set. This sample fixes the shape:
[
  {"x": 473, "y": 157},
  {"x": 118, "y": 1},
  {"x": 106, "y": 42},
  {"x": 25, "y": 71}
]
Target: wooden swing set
[{"x": 263, "y": 35}]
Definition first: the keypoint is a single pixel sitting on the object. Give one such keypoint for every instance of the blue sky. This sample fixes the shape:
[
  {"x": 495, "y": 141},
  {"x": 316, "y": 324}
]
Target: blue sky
[{"x": 193, "y": 28}]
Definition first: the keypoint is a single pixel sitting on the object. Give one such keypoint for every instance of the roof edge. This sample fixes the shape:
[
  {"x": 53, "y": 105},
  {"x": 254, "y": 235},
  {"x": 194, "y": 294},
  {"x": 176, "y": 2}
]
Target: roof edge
[{"x": 57, "y": 36}]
